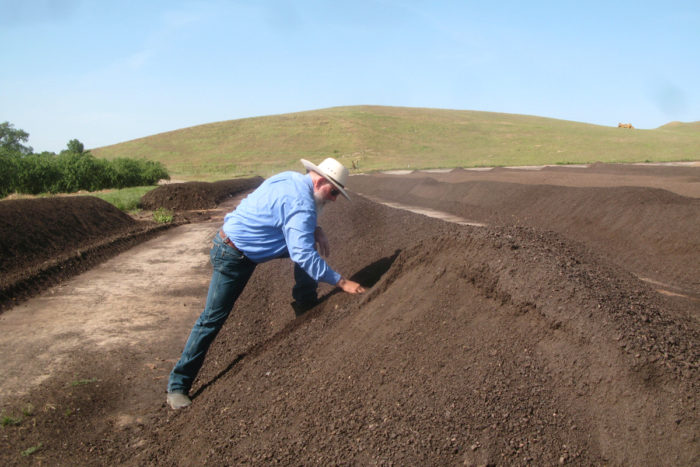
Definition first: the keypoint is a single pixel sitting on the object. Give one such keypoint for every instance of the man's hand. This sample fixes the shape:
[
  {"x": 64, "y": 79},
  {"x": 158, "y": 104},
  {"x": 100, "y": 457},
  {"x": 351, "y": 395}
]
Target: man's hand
[
  {"x": 323, "y": 246},
  {"x": 350, "y": 286}
]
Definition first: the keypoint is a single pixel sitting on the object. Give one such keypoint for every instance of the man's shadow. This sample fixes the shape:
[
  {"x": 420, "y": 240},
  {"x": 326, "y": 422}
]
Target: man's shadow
[{"x": 367, "y": 277}]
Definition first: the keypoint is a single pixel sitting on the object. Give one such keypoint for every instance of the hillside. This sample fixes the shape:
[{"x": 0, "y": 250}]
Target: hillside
[
  {"x": 379, "y": 138},
  {"x": 688, "y": 127}
]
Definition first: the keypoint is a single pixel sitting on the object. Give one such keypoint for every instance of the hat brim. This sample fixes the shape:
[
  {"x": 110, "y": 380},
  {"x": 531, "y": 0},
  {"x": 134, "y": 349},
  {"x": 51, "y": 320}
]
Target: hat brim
[{"x": 310, "y": 166}]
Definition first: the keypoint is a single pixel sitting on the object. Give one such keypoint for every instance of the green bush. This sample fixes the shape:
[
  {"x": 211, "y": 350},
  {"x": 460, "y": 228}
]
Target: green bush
[
  {"x": 38, "y": 173},
  {"x": 137, "y": 172},
  {"x": 153, "y": 171},
  {"x": 69, "y": 172},
  {"x": 82, "y": 171},
  {"x": 126, "y": 173},
  {"x": 74, "y": 169},
  {"x": 8, "y": 174},
  {"x": 163, "y": 216}
]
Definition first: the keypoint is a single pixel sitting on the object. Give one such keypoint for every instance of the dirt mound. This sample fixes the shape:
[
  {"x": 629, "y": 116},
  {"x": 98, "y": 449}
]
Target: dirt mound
[
  {"x": 44, "y": 240},
  {"x": 512, "y": 344},
  {"x": 35, "y": 230},
  {"x": 651, "y": 232},
  {"x": 476, "y": 346},
  {"x": 196, "y": 195}
]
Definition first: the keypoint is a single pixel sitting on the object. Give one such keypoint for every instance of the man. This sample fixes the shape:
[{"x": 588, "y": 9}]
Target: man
[{"x": 277, "y": 220}]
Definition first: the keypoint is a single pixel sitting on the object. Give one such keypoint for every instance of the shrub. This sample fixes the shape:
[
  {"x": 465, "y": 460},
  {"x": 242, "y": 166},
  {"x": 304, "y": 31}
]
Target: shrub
[
  {"x": 154, "y": 171},
  {"x": 126, "y": 173},
  {"x": 38, "y": 173},
  {"x": 163, "y": 216},
  {"x": 69, "y": 172},
  {"x": 74, "y": 169},
  {"x": 8, "y": 174},
  {"x": 82, "y": 171}
]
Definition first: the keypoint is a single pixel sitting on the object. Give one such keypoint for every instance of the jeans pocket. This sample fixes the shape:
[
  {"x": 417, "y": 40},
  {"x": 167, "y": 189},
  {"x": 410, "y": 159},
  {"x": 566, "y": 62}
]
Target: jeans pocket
[{"x": 222, "y": 255}]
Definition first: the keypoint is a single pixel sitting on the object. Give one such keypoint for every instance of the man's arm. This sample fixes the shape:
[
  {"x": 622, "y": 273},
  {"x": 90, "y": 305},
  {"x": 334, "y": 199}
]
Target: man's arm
[{"x": 324, "y": 248}]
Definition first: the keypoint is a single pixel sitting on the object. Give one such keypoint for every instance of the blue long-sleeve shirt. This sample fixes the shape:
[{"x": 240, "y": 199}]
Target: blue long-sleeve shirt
[{"x": 278, "y": 219}]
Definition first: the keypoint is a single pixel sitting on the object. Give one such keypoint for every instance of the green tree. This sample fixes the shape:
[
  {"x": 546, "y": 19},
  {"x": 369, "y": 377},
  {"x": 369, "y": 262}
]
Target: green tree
[
  {"x": 72, "y": 170},
  {"x": 11, "y": 140},
  {"x": 11, "y": 150},
  {"x": 75, "y": 146}
]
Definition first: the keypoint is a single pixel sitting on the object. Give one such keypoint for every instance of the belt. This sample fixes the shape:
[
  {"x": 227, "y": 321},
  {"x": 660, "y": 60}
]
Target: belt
[{"x": 228, "y": 241}]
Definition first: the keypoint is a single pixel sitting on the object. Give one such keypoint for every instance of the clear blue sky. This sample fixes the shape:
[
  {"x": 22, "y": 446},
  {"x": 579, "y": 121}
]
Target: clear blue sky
[{"x": 107, "y": 71}]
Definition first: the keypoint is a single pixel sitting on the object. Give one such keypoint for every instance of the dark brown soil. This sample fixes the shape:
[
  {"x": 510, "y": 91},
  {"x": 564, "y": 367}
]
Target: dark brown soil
[
  {"x": 45, "y": 240},
  {"x": 526, "y": 342},
  {"x": 652, "y": 232},
  {"x": 196, "y": 195}
]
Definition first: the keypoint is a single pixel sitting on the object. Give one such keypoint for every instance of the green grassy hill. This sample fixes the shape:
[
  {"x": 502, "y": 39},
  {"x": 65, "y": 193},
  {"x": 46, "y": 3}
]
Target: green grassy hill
[{"x": 379, "y": 138}]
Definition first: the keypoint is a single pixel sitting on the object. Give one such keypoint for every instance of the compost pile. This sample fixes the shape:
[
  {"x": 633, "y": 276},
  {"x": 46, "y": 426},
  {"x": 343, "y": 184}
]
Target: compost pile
[
  {"x": 45, "y": 240},
  {"x": 196, "y": 195},
  {"x": 650, "y": 231},
  {"x": 478, "y": 346},
  {"x": 517, "y": 343}
]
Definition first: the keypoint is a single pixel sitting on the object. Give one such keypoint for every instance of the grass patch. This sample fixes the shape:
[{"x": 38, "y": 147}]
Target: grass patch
[
  {"x": 29, "y": 451},
  {"x": 28, "y": 410},
  {"x": 163, "y": 216},
  {"x": 7, "y": 420},
  {"x": 80, "y": 382},
  {"x": 125, "y": 199}
]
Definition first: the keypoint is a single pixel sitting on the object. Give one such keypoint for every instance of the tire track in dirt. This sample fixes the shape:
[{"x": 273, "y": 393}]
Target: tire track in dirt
[{"x": 445, "y": 216}]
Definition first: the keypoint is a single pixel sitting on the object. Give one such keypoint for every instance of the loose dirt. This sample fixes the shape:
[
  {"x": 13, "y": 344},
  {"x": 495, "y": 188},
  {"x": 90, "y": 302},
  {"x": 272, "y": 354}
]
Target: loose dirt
[
  {"x": 529, "y": 340},
  {"x": 645, "y": 218}
]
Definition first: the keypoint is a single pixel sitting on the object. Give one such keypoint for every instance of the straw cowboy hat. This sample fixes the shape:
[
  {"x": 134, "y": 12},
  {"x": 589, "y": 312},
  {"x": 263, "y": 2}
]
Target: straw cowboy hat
[{"x": 331, "y": 170}]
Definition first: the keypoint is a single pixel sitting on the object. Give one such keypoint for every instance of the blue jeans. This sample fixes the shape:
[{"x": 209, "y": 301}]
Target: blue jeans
[
  {"x": 232, "y": 270},
  {"x": 305, "y": 288}
]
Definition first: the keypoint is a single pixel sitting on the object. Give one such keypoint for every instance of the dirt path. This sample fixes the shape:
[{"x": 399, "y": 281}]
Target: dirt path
[
  {"x": 143, "y": 299},
  {"x": 118, "y": 304}
]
